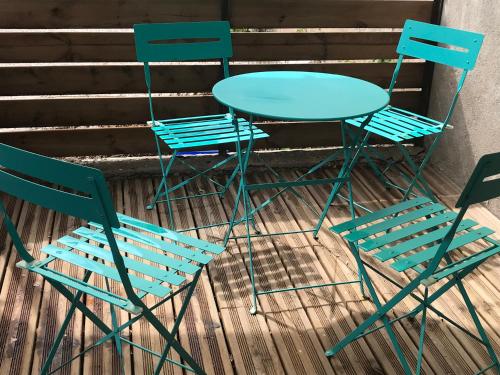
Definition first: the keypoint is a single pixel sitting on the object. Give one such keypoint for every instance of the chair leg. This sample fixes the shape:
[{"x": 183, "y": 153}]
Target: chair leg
[
  {"x": 177, "y": 323},
  {"x": 359, "y": 263},
  {"x": 417, "y": 177},
  {"x": 163, "y": 180},
  {"x": 382, "y": 309},
  {"x": 477, "y": 323},
  {"x": 75, "y": 304},
  {"x": 172, "y": 341},
  {"x": 423, "y": 323},
  {"x": 164, "y": 185},
  {"x": 204, "y": 173},
  {"x": 62, "y": 330},
  {"x": 116, "y": 335}
]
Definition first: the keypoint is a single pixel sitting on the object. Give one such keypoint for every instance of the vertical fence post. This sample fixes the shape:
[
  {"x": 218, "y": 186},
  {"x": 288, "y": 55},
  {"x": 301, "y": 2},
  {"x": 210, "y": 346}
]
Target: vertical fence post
[{"x": 437, "y": 9}]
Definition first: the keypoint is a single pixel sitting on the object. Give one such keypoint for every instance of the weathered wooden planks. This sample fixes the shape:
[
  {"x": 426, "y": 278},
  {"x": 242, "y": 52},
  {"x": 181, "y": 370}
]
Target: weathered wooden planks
[
  {"x": 94, "y": 13},
  {"x": 326, "y": 13},
  {"x": 292, "y": 330},
  {"x": 123, "y": 109},
  {"x": 84, "y": 70},
  {"x": 241, "y": 13},
  {"x": 136, "y": 139},
  {"x": 118, "y": 46},
  {"x": 127, "y": 78}
]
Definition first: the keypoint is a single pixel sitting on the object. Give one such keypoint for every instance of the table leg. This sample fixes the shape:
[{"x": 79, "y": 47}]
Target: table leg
[
  {"x": 350, "y": 159},
  {"x": 243, "y": 158}
]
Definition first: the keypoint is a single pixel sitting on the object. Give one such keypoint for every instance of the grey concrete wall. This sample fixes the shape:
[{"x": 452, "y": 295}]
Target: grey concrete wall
[{"x": 476, "y": 119}]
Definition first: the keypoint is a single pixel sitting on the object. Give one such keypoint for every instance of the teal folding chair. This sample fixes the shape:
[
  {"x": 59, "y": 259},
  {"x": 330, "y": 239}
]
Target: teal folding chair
[
  {"x": 434, "y": 246},
  {"x": 143, "y": 258},
  {"x": 443, "y": 45},
  {"x": 188, "y": 41}
]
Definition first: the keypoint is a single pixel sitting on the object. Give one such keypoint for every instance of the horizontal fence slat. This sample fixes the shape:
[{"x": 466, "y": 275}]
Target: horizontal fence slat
[
  {"x": 98, "y": 13},
  {"x": 26, "y": 47},
  {"x": 327, "y": 13},
  {"x": 315, "y": 45},
  {"x": 110, "y": 79},
  {"x": 242, "y": 13},
  {"x": 139, "y": 139},
  {"x": 71, "y": 111}
]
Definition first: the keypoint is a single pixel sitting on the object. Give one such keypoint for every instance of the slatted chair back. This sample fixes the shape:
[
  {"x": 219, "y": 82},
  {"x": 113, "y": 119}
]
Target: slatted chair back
[
  {"x": 484, "y": 182},
  {"x": 181, "y": 41},
  {"x": 439, "y": 44},
  {"x": 91, "y": 200}
]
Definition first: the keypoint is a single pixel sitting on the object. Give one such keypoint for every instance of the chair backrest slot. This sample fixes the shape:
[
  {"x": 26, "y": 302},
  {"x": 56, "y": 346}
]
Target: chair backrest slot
[
  {"x": 90, "y": 201},
  {"x": 182, "y": 41},
  {"x": 68, "y": 203},
  {"x": 440, "y": 44},
  {"x": 484, "y": 182}
]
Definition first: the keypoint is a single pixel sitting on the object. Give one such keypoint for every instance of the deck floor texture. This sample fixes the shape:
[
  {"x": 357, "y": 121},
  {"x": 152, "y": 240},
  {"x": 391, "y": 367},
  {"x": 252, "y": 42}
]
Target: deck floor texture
[{"x": 291, "y": 330}]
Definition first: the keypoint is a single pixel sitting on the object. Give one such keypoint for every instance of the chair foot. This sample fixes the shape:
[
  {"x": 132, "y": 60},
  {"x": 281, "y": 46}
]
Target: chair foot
[
  {"x": 330, "y": 352},
  {"x": 150, "y": 206},
  {"x": 253, "y": 310}
]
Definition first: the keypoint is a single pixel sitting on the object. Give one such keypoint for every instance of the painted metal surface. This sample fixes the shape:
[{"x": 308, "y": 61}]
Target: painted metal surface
[
  {"x": 423, "y": 248},
  {"x": 188, "y": 41},
  {"x": 90, "y": 199},
  {"x": 295, "y": 95},
  {"x": 444, "y": 45}
]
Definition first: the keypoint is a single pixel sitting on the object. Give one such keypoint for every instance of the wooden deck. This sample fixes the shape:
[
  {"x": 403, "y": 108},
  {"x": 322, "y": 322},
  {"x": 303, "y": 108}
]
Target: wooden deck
[{"x": 291, "y": 330}]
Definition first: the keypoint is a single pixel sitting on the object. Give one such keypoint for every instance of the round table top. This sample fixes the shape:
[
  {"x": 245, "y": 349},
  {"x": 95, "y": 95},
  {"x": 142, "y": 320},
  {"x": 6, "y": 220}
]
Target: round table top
[{"x": 295, "y": 95}]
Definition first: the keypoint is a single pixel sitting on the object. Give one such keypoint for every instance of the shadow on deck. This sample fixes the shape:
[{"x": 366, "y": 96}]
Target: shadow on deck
[{"x": 291, "y": 330}]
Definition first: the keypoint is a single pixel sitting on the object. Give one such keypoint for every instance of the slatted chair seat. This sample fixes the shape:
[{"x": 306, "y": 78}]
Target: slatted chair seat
[
  {"x": 192, "y": 41},
  {"x": 409, "y": 234},
  {"x": 156, "y": 271},
  {"x": 434, "y": 246},
  {"x": 141, "y": 258},
  {"x": 193, "y": 132},
  {"x": 453, "y": 48},
  {"x": 399, "y": 125}
]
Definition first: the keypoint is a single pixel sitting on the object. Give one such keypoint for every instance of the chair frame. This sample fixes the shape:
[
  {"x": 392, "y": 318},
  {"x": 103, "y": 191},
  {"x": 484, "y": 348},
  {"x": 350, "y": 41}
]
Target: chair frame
[
  {"x": 467, "y": 45},
  {"x": 210, "y": 40},
  {"x": 477, "y": 190},
  {"x": 94, "y": 205}
]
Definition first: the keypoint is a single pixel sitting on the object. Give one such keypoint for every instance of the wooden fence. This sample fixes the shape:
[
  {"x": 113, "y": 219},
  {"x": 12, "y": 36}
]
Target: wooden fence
[{"x": 68, "y": 70}]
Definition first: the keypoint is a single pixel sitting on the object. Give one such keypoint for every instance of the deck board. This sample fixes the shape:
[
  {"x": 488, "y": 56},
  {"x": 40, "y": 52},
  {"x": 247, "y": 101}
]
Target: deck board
[{"x": 291, "y": 330}]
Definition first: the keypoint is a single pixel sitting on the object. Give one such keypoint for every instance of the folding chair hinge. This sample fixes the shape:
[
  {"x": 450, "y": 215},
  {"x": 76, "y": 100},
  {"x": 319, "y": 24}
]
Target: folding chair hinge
[
  {"x": 27, "y": 265},
  {"x": 429, "y": 281},
  {"x": 131, "y": 308}
]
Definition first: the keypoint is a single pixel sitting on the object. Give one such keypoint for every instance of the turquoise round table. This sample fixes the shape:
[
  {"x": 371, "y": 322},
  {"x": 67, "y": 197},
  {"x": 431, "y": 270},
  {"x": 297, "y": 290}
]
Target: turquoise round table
[{"x": 298, "y": 96}]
